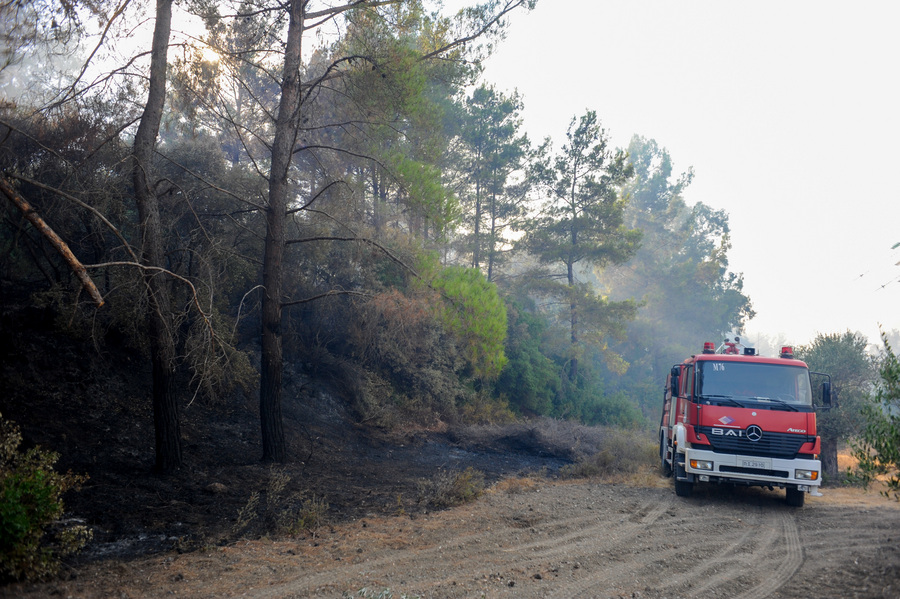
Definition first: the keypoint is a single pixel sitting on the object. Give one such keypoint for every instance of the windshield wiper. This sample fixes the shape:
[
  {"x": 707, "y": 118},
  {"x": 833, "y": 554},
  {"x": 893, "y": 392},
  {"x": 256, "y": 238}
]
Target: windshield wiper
[
  {"x": 778, "y": 401},
  {"x": 724, "y": 399}
]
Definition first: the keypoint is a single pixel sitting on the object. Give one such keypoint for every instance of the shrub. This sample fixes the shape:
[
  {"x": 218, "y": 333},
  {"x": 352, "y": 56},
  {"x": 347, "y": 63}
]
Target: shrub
[
  {"x": 447, "y": 489},
  {"x": 282, "y": 512},
  {"x": 414, "y": 362},
  {"x": 312, "y": 515},
  {"x": 878, "y": 451},
  {"x": 616, "y": 452},
  {"x": 32, "y": 540}
]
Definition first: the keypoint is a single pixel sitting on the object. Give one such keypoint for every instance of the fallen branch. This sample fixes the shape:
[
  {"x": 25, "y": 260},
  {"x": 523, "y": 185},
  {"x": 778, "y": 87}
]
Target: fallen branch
[{"x": 57, "y": 242}]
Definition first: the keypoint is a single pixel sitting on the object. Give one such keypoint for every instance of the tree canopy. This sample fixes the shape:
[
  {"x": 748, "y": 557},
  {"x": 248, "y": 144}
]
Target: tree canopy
[{"x": 334, "y": 189}]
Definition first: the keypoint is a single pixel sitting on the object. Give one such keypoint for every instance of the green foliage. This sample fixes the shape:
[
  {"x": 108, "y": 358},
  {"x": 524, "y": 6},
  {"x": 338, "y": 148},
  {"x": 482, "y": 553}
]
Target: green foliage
[
  {"x": 581, "y": 225},
  {"x": 530, "y": 379},
  {"x": 491, "y": 152},
  {"x": 878, "y": 449},
  {"x": 474, "y": 312},
  {"x": 589, "y": 403},
  {"x": 844, "y": 357},
  {"x": 679, "y": 275},
  {"x": 425, "y": 192},
  {"x": 582, "y": 216},
  {"x": 32, "y": 541},
  {"x": 535, "y": 379}
]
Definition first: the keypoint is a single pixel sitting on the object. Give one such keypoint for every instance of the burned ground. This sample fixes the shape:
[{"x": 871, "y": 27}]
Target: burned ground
[{"x": 530, "y": 535}]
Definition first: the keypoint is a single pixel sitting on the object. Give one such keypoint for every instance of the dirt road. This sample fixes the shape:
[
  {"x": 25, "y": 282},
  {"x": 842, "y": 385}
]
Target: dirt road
[{"x": 538, "y": 539}]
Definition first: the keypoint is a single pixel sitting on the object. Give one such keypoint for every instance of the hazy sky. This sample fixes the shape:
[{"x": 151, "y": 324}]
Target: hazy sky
[{"x": 787, "y": 111}]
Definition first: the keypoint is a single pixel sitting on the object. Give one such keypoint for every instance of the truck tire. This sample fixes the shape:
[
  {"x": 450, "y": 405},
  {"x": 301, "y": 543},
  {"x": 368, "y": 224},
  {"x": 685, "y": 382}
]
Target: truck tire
[
  {"x": 683, "y": 488},
  {"x": 666, "y": 467},
  {"x": 795, "y": 498}
]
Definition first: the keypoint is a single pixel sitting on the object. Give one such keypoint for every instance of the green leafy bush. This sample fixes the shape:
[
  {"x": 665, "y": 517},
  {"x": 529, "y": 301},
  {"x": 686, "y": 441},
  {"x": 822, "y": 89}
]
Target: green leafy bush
[
  {"x": 474, "y": 311},
  {"x": 878, "y": 450},
  {"x": 32, "y": 540}
]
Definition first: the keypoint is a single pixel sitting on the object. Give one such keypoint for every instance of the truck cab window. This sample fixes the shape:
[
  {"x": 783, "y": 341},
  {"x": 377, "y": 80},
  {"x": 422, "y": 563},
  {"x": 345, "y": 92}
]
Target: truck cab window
[{"x": 765, "y": 383}]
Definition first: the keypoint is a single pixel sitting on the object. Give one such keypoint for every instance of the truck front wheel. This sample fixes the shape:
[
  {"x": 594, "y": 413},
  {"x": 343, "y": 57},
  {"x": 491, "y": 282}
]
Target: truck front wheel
[
  {"x": 683, "y": 488},
  {"x": 795, "y": 498}
]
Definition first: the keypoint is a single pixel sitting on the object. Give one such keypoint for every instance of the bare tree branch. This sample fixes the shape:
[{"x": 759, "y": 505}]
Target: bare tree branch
[
  {"x": 195, "y": 296},
  {"x": 326, "y": 294},
  {"x": 315, "y": 197},
  {"x": 371, "y": 242},
  {"x": 77, "y": 267},
  {"x": 71, "y": 93},
  {"x": 510, "y": 6}
]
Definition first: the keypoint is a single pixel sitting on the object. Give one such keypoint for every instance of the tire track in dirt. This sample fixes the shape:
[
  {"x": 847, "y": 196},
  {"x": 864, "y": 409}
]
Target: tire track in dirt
[
  {"x": 484, "y": 554},
  {"x": 750, "y": 555},
  {"x": 590, "y": 535},
  {"x": 732, "y": 558},
  {"x": 610, "y": 543},
  {"x": 756, "y": 564},
  {"x": 520, "y": 559},
  {"x": 612, "y": 576},
  {"x": 586, "y": 542},
  {"x": 791, "y": 562}
]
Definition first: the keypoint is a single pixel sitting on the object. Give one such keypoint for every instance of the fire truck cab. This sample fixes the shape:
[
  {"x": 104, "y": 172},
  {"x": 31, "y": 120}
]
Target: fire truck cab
[{"x": 732, "y": 417}]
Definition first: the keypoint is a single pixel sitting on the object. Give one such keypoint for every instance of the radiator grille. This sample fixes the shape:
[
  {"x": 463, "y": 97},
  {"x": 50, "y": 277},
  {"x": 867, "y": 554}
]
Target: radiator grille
[{"x": 775, "y": 445}]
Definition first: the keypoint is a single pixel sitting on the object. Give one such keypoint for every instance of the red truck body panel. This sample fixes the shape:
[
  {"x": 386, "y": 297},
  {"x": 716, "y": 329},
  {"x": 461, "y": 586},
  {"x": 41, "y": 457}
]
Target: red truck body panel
[{"x": 741, "y": 420}]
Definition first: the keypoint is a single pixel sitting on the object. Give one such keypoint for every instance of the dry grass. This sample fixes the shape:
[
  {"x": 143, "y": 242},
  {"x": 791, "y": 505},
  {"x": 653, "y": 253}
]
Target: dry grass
[
  {"x": 846, "y": 460},
  {"x": 450, "y": 488},
  {"x": 615, "y": 453},
  {"x": 512, "y": 486},
  {"x": 559, "y": 438}
]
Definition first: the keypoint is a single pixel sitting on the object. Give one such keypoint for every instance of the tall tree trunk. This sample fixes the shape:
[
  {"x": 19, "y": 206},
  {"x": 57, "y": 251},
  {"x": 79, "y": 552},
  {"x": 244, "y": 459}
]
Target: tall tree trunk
[
  {"x": 376, "y": 203},
  {"x": 829, "y": 457},
  {"x": 272, "y": 426},
  {"x": 573, "y": 314},
  {"x": 162, "y": 343},
  {"x": 492, "y": 238},
  {"x": 476, "y": 251}
]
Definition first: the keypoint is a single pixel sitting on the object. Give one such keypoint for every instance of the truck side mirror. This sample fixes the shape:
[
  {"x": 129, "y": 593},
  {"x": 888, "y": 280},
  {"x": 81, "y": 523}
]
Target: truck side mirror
[
  {"x": 674, "y": 380},
  {"x": 826, "y": 393}
]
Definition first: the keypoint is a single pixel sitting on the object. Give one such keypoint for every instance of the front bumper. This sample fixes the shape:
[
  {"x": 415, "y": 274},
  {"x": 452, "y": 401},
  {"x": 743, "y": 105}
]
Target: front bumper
[{"x": 752, "y": 470}]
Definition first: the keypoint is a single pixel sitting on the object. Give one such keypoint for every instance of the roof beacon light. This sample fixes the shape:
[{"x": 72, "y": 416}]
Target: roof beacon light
[
  {"x": 709, "y": 347},
  {"x": 787, "y": 352}
]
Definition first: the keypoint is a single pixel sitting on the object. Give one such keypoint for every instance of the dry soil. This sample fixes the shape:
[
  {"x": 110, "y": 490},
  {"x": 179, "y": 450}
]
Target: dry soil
[{"x": 534, "y": 538}]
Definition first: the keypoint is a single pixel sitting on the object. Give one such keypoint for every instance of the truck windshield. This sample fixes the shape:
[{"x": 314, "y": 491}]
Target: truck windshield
[{"x": 765, "y": 383}]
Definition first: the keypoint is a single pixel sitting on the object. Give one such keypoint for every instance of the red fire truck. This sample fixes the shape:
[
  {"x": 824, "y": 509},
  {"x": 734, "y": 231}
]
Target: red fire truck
[{"x": 733, "y": 417}]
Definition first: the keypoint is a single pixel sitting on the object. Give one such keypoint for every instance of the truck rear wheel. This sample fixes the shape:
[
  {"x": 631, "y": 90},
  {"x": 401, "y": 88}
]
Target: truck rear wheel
[
  {"x": 666, "y": 467},
  {"x": 795, "y": 498}
]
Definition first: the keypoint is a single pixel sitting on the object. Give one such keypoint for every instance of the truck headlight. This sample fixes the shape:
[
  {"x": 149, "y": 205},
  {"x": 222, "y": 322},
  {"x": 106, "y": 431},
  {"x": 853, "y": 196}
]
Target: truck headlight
[
  {"x": 806, "y": 474},
  {"x": 701, "y": 465}
]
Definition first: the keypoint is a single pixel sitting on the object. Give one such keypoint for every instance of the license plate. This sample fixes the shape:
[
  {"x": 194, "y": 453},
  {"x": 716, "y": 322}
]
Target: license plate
[{"x": 761, "y": 464}]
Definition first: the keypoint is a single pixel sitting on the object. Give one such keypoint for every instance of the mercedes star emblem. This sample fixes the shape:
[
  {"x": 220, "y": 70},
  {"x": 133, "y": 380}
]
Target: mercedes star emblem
[{"x": 754, "y": 433}]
